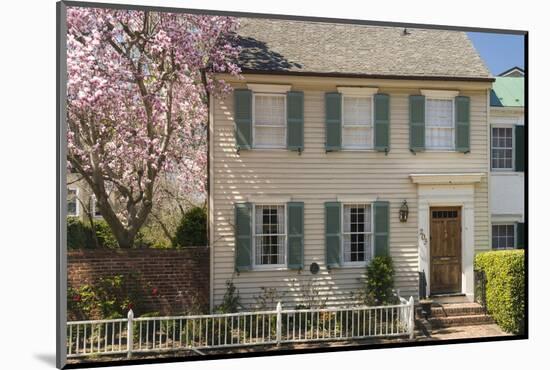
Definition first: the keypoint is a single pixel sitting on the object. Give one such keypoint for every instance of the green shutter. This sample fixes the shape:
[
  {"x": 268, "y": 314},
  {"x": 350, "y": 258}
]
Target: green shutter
[
  {"x": 417, "y": 123},
  {"x": 462, "y": 124},
  {"x": 243, "y": 119},
  {"x": 295, "y": 120},
  {"x": 243, "y": 236},
  {"x": 381, "y": 228},
  {"x": 520, "y": 235},
  {"x": 333, "y": 117},
  {"x": 520, "y": 148},
  {"x": 295, "y": 211},
  {"x": 332, "y": 234},
  {"x": 382, "y": 122}
]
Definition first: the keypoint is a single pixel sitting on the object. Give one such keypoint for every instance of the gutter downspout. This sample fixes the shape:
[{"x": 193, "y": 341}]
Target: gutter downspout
[
  {"x": 488, "y": 141},
  {"x": 211, "y": 199}
]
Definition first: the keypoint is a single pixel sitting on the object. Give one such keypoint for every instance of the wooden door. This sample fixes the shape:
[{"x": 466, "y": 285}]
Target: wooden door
[{"x": 445, "y": 250}]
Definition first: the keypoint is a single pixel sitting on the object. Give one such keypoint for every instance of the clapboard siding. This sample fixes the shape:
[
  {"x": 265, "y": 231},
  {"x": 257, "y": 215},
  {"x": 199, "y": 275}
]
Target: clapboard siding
[{"x": 315, "y": 177}]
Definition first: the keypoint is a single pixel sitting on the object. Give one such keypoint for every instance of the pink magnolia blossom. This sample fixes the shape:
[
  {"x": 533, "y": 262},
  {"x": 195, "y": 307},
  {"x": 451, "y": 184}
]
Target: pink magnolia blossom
[{"x": 138, "y": 87}]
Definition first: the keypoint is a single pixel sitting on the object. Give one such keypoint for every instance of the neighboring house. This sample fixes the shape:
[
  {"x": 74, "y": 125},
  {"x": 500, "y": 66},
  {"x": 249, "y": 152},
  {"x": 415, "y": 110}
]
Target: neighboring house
[
  {"x": 513, "y": 72},
  {"x": 81, "y": 201},
  {"x": 507, "y": 162},
  {"x": 312, "y": 157}
]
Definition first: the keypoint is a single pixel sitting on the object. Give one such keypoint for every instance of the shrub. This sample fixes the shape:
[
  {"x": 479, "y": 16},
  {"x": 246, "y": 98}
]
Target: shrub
[
  {"x": 110, "y": 297},
  {"x": 505, "y": 289},
  {"x": 231, "y": 299},
  {"x": 151, "y": 236},
  {"x": 268, "y": 299},
  {"x": 79, "y": 234},
  {"x": 104, "y": 235},
  {"x": 191, "y": 230},
  {"x": 379, "y": 281}
]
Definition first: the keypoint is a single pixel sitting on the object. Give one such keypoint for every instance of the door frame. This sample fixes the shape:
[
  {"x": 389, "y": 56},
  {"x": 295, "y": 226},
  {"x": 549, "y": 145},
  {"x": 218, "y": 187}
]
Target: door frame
[
  {"x": 459, "y": 208},
  {"x": 456, "y": 189}
]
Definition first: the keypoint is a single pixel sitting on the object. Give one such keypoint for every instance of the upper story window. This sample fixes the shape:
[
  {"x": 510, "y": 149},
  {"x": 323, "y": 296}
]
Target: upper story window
[
  {"x": 357, "y": 233},
  {"x": 357, "y": 117},
  {"x": 440, "y": 128},
  {"x": 502, "y": 148},
  {"x": 269, "y": 235},
  {"x": 269, "y": 120},
  {"x": 357, "y": 128},
  {"x": 72, "y": 202},
  {"x": 440, "y": 119}
]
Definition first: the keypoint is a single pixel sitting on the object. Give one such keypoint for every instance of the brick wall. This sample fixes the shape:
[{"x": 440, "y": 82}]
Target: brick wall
[{"x": 179, "y": 276}]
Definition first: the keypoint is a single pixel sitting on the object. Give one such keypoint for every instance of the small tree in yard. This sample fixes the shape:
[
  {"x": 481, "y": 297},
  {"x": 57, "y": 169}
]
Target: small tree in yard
[
  {"x": 137, "y": 104},
  {"x": 379, "y": 281}
]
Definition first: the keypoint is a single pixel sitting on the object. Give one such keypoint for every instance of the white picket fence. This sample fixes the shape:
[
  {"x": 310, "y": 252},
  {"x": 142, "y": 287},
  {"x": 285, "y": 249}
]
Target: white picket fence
[{"x": 173, "y": 333}]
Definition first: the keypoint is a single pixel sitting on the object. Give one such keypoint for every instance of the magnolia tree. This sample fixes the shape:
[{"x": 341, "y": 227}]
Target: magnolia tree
[{"x": 137, "y": 104}]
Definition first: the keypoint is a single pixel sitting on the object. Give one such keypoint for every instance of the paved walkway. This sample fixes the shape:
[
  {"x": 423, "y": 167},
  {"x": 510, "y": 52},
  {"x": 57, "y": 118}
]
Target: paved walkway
[{"x": 473, "y": 331}]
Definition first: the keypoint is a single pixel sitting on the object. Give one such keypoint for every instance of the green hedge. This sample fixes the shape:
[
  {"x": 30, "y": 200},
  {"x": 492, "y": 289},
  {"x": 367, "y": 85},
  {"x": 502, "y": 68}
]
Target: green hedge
[
  {"x": 81, "y": 236},
  {"x": 191, "y": 231},
  {"x": 505, "y": 289}
]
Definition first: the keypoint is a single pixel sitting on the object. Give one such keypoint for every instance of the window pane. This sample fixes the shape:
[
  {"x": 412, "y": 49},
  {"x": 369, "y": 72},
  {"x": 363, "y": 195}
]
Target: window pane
[
  {"x": 270, "y": 234},
  {"x": 269, "y": 120},
  {"x": 357, "y": 137},
  {"x": 71, "y": 202},
  {"x": 269, "y": 110},
  {"x": 270, "y": 136},
  {"x": 439, "y": 124},
  {"x": 503, "y": 236},
  {"x": 357, "y": 111},
  {"x": 439, "y": 138},
  {"x": 439, "y": 113}
]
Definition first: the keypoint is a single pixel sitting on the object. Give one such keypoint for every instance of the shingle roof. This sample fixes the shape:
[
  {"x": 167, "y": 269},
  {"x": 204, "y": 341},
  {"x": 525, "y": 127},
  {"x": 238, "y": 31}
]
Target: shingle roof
[
  {"x": 270, "y": 45},
  {"x": 507, "y": 92}
]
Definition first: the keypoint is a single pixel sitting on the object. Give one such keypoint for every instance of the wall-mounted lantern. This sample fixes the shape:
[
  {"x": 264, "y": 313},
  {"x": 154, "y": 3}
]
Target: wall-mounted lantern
[{"x": 404, "y": 212}]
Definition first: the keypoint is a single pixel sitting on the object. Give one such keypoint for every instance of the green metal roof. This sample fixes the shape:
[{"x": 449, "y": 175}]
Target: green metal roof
[{"x": 507, "y": 92}]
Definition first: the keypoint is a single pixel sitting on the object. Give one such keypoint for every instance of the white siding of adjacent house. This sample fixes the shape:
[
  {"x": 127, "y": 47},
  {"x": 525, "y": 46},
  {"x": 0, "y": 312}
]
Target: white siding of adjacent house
[
  {"x": 315, "y": 177},
  {"x": 507, "y": 187}
]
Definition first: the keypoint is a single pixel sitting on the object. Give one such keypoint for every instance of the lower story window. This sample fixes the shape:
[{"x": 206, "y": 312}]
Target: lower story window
[
  {"x": 95, "y": 207},
  {"x": 269, "y": 234},
  {"x": 504, "y": 236},
  {"x": 357, "y": 227}
]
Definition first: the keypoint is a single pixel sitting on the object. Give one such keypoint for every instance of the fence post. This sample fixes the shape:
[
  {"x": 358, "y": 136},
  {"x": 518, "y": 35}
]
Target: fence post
[
  {"x": 130, "y": 333},
  {"x": 279, "y": 322},
  {"x": 411, "y": 318}
]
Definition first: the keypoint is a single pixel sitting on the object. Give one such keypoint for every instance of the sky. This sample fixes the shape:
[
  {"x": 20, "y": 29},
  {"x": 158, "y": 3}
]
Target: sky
[{"x": 499, "y": 51}]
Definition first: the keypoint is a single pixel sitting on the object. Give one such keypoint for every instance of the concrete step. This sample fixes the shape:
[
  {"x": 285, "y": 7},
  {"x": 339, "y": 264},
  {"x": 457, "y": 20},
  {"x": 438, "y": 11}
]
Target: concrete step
[
  {"x": 444, "y": 322},
  {"x": 453, "y": 309}
]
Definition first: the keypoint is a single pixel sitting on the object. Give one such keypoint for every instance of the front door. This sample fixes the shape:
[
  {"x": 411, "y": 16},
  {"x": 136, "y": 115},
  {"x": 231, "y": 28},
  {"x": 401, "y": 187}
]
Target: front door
[{"x": 445, "y": 250}]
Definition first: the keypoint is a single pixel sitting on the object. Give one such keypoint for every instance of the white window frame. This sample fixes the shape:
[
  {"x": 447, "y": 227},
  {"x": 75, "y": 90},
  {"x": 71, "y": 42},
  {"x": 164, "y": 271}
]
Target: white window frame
[
  {"x": 371, "y": 233},
  {"x": 452, "y": 148},
  {"x": 370, "y": 145},
  {"x": 513, "y": 148},
  {"x": 77, "y": 208},
  {"x": 503, "y": 223},
  {"x": 285, "y": 125},
  {"x": 94, "y": 208},
  {"x": 283, "y": 265}
]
